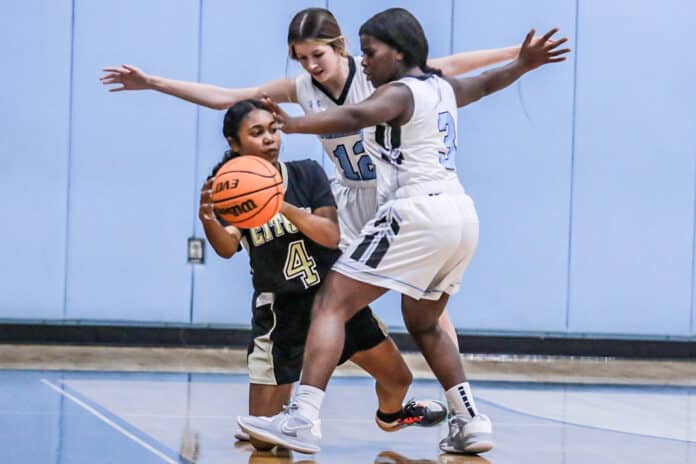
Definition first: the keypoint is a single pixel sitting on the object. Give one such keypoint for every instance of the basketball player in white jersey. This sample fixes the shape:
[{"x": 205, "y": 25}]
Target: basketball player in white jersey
[
  {"x": 333, "y": 78},
  {"x": 424, "y": 233}
]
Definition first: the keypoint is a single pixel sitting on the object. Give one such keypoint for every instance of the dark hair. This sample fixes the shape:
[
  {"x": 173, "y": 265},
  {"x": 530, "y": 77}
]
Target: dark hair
[
  {"x": 399, "y": 29},
  {"x": 230, "y": 127},
  {"x": 316, "y": 25}
]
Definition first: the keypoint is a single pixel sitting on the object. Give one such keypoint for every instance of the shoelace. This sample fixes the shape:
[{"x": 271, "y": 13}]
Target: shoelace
[
  {"x": 412, "y": 413},
  {"x": 455, "y": 425},
  {"x": 413, "y": 408},
  {"x": 288, "y": 408}
]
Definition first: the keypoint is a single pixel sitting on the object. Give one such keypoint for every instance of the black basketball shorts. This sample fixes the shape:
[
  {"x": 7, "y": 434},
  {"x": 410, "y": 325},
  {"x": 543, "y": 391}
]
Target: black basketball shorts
[{"x": 279, "y": 327}]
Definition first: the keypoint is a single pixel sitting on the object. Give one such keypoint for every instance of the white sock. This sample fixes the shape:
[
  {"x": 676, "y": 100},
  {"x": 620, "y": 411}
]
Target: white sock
[
  {"x": 309, "y": 399},
  {"x": 461, "y": 401}
]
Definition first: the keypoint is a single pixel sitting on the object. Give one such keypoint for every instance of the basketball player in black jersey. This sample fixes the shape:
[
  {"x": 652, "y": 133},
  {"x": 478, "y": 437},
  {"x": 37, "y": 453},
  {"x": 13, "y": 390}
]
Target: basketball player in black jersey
[{"x": 289, "y": 257}]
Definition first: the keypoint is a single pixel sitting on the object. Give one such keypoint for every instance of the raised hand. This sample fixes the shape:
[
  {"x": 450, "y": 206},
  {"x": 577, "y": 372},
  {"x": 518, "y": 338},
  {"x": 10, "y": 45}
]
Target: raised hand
[
  {"x": 282, "y": 119},
  {"x": 206, "y": 212},
  {"x": 538, "y": 52},
  {"x": 129, "y": 77}
]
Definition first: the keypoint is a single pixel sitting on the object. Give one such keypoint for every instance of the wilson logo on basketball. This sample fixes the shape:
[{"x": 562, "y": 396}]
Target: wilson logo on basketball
[
  {"x": 226, "y": 185},
  {"x": 241, "y": 208}
]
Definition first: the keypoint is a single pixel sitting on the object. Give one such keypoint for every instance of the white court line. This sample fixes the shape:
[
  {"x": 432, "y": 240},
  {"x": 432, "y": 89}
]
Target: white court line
[{"x": 110, "y": 422}]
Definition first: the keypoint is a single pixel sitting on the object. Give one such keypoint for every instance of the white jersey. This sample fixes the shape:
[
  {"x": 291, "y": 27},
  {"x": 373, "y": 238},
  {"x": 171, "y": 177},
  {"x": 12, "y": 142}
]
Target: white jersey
[
  {"x": 426, "y": 229},
  {"x": 423, "y": 150},
  {"x": 354, "y": 167}
]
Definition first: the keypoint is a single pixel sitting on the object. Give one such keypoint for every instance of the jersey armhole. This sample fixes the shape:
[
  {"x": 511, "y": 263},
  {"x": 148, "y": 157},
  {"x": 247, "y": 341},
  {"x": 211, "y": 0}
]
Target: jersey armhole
[{"x": 413, "y": 100}]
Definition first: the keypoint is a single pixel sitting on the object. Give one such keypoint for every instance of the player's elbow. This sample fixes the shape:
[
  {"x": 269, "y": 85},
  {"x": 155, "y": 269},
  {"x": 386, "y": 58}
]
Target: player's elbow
[
  {"x": 224, "y": 251},
  {"x": 332, "y": 238},
  {"x": 357, "y": 118},
  {"x": 333, "y": 243}
]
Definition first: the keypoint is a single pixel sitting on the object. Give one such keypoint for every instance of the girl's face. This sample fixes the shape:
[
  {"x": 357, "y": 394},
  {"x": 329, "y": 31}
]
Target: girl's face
[
  {"x": 381, "y": 62},
  {"x": 258, "y": 136},
  {"x": 320, "y": 60}
]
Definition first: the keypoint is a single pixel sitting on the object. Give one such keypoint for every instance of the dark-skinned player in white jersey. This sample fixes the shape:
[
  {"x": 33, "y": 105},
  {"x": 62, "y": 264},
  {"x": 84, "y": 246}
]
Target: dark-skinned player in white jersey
[{"x": 424, "y": 233}]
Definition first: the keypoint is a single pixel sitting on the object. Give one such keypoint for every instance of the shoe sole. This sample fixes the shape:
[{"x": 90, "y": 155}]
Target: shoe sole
[
  {"x": 263, "y": 435},
  {"x": 241, "y": 436},
  {"x": 475, "y": 445},
  {"x": 395, "y": 428}
]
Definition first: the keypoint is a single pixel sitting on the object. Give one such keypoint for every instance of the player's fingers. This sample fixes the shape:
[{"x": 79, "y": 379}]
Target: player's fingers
[
  {"x": 556, "y": 60},
  {"x": 528, "y": 38},
  {"x": 548, "y": 35},
  {"x": 551, "y": 44},
  {"x": 559, "y": 52}
]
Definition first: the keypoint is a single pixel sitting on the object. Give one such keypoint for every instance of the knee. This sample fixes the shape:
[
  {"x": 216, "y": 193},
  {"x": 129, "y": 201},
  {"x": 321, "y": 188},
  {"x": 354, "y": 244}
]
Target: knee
[
  {"x": 419, "y": 331},
  {"x": 403, "y": 379},
  {"x": 327, "y": 306}
]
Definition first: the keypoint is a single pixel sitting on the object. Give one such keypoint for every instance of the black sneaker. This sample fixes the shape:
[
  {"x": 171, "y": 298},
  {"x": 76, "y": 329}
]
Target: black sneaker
[{"x": 425, "y": 413}]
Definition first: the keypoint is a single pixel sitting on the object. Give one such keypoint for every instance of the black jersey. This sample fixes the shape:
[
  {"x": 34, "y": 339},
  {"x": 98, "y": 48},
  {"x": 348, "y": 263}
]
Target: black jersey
[{"x": 282, "y": 258}]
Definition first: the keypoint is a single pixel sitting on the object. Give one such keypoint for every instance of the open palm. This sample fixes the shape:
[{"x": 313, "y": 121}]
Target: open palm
[
  {"x": 129, "y": 77},
  {"x": 535, "y": 53}
]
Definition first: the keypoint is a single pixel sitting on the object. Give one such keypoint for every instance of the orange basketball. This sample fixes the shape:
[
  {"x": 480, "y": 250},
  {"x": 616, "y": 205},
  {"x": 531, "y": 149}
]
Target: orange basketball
[{"x": 247, "y": 191}]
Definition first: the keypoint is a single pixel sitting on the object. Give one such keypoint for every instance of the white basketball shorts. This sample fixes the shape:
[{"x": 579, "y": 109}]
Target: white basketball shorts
[
  {"x": 356, "y": 206},
  {"x": 418, "y": 246}
]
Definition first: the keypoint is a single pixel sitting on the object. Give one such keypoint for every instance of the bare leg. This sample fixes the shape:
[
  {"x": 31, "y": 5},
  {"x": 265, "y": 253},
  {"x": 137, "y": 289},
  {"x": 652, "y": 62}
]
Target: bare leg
[
  {"x": 421, "y": 318},
  {"x": 392, "y": 375},
  {"x": 267, "y": 400},
  {"x": 338, "y": 299},
  {"x": 448, "y": 327},
  {"x": 469, "y": 432}
]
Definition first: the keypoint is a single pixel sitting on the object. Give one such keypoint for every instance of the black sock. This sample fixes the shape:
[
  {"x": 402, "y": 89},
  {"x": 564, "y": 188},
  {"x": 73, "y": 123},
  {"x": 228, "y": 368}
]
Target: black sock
[{"x": 384, "y": 417}]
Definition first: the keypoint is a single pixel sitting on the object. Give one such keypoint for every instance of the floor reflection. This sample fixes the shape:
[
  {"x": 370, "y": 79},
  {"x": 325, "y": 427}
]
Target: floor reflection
[{"x": 384, "y": 457}]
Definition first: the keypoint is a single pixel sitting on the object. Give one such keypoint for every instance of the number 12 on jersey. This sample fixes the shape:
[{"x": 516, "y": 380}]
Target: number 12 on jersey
[
  {"x": 445, "y": 123},
  {"x": 366, "y": 170}
]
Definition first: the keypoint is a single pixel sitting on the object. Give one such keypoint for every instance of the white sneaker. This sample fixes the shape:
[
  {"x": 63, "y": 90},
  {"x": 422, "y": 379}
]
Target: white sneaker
[
  {"x": 289, "y": 429},
  {"x": 468, "y": 437},
  {"x": 241, "y": 436}
]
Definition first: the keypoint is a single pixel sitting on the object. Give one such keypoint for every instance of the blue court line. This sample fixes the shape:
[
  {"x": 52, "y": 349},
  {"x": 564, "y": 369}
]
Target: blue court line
[
  {"x": 575, "y": 424},
  {"x": 122, "y": 426}
]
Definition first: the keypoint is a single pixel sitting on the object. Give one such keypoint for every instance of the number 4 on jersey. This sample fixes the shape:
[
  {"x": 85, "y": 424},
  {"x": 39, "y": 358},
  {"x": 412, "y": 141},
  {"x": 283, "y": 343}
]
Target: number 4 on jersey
[{"x": 298, "y": 263}]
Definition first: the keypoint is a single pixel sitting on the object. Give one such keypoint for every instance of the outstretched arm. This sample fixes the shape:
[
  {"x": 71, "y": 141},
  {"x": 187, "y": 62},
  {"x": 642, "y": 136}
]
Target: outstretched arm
[
  {"x": 461, "y": 63},
  {"x": 132, "y": 78},
  {"x": 531, "y": 56},
  {"x": 464, "y": 62},
  {"x": 391, "y": 102}
]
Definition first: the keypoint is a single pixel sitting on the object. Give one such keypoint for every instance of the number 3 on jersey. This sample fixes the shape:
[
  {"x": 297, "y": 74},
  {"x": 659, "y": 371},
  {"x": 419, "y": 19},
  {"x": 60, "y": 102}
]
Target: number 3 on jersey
[
  {"x": 298, "y": 263},
  {"x": 445, "y": 123},
  {"x": 366, "y": 170}
]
